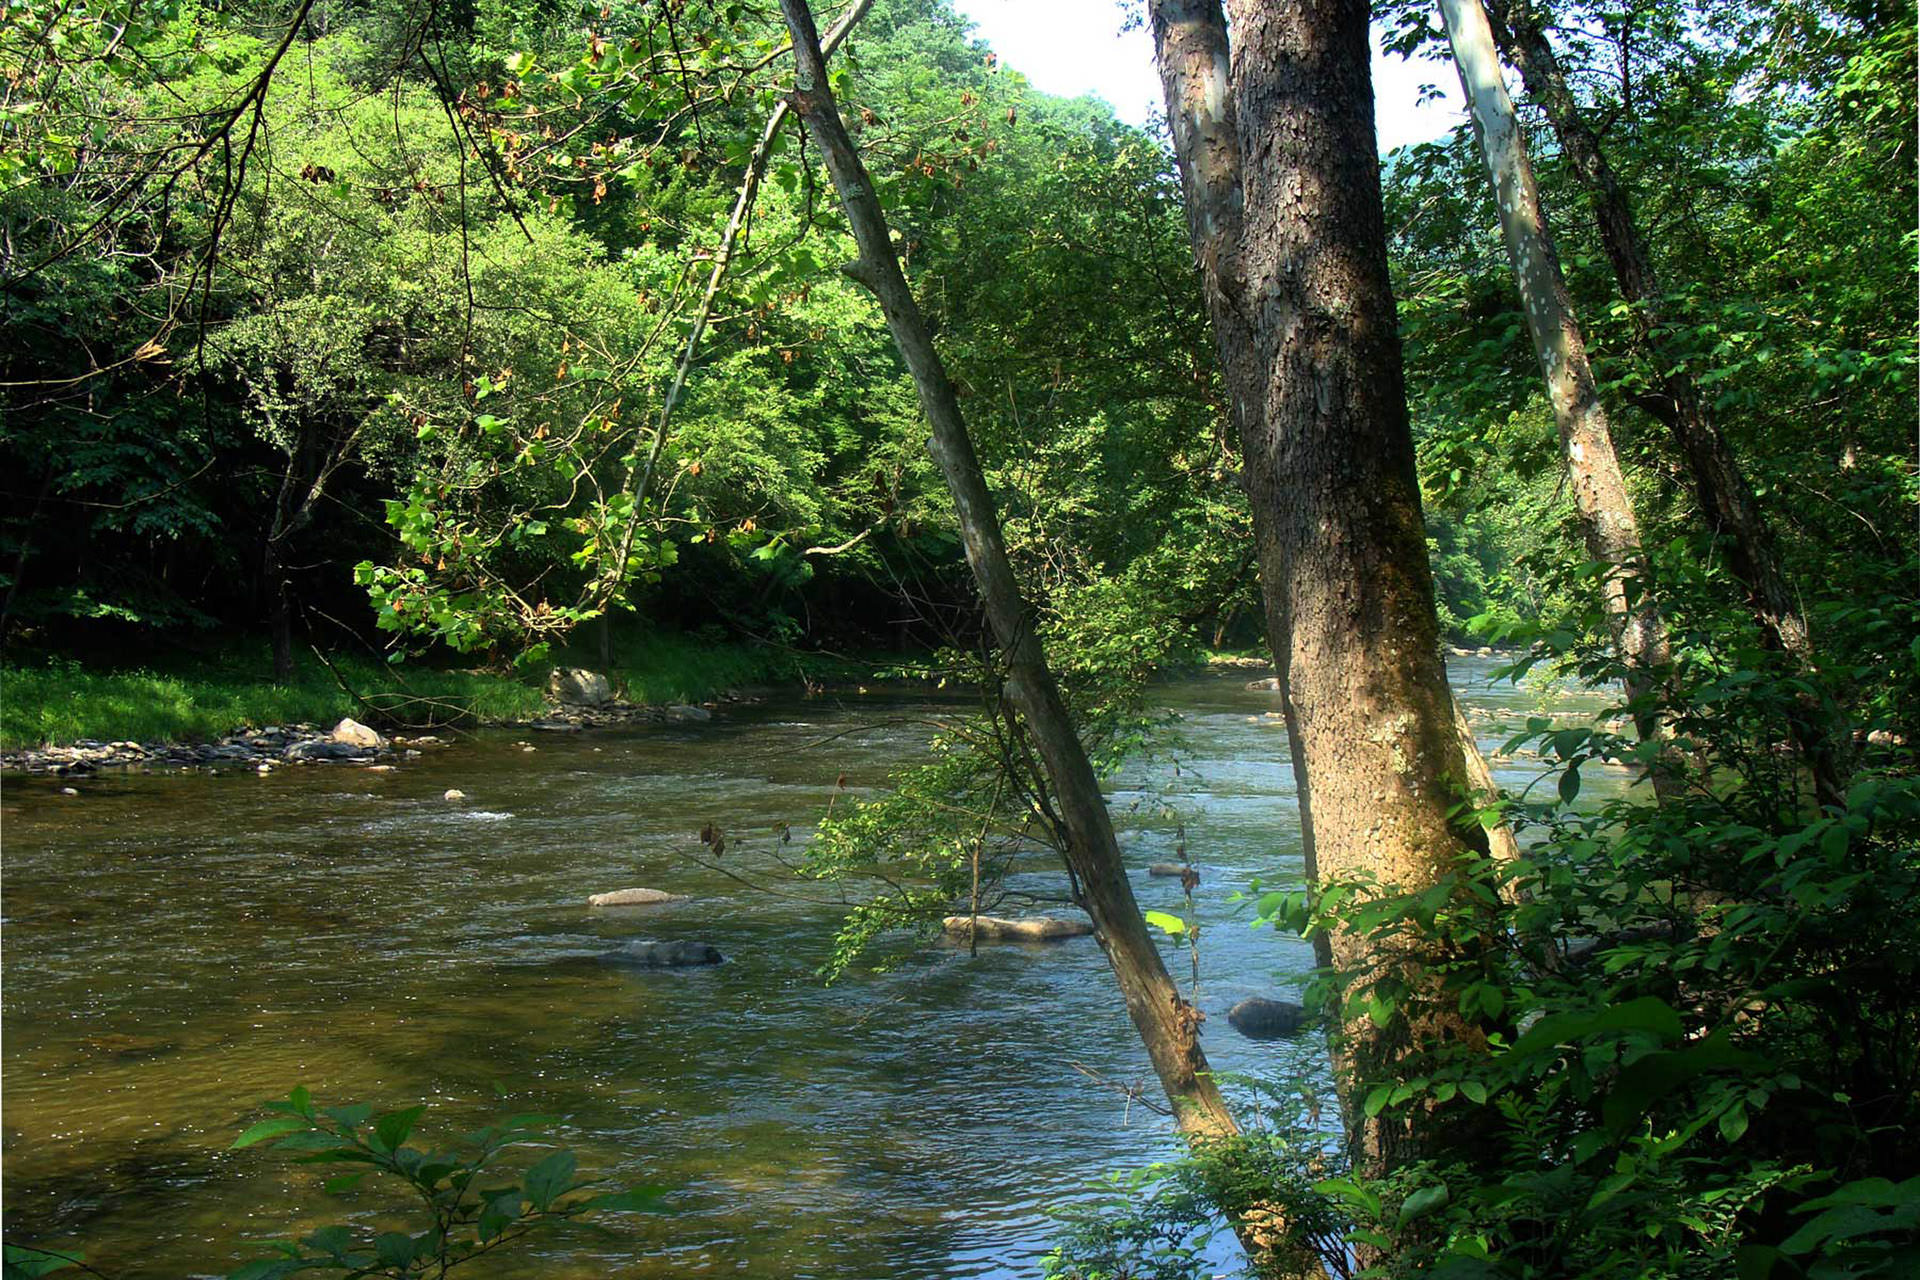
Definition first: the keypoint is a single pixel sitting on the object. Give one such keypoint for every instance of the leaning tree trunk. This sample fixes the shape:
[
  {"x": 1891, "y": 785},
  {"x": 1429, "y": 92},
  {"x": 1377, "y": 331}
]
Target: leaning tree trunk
[
  {"x": 1599, "y": 490},
  {"x": 1167, "y": 1024},
  {"x": 1727, "y": 502},
  {"x": 1330, "y": 470}
]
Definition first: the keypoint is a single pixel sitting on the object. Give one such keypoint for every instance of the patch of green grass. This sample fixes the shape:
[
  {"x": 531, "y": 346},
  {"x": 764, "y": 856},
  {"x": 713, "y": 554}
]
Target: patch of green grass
[
  {"x": 62, "y": 701},
  {"x": 181, "y": 698}
]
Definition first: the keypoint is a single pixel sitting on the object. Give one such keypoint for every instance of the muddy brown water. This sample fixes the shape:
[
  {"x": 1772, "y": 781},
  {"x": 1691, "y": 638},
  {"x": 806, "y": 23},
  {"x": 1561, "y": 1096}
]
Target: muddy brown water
[{"x": 179, "y": 947}]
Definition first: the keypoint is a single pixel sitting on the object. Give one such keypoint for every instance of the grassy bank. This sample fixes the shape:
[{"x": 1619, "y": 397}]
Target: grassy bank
[{"x": 181, "y": 697}]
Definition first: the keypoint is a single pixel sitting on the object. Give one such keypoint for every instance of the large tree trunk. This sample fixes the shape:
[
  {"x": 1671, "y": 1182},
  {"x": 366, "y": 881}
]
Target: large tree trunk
[
  {"x": 1593, "y": 471},
  {"x": 1294, "y": 257},
  {"x": 1166, "y": 1023},
  {"x": 1727, "y": 502},
  {"x": 1195, "y": 62}
]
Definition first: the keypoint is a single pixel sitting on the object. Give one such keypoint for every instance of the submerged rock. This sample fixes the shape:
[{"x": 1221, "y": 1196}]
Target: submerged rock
[
  {"x": 634, "y": 898},
  {"x": 688, "y": 714},
  {"x": 1002, "y": 929},
  {"x": 578, "y": 687},
  {"x": 665, "y": 955},
  {"x": 1258, "y": 1018}
]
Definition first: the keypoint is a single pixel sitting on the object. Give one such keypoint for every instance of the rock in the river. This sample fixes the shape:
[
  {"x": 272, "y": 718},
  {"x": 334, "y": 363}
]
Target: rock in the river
[
  {"x": 634, "y": 898},
  {"x": 1269, "y": 685},
  {"x": 322, "y": 749},
  {"x": 1174, "y": 869},
  {"x": 682, "y": 712},
  {"x": 1262, "y": 1019},
  {"x": 665, "y": 955},
  {"x": 354, "y": 734},
  {"x": 454, "y": 794},
  {"x": 1002, "y": 929},
  {"x": 578, "y": 687}
]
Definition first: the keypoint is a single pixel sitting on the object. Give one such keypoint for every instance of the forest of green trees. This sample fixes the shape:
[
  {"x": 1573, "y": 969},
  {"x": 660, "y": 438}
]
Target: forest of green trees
[{"x": 476, "y": 333}]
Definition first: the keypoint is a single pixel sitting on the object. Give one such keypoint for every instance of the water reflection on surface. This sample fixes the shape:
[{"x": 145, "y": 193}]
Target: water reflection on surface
[{"x": 181, "y": 947}]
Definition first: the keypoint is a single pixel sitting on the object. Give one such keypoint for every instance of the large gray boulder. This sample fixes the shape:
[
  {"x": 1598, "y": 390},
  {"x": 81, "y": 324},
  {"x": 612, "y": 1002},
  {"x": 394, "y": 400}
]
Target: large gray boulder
[
  {"x": 634, "y": 898},
  {"x": 664, "y": 955},
  {"x": 1262, "y": 1019},
  {"x": 1002, "y": 929},
  {"x": 578, "y": 687}
]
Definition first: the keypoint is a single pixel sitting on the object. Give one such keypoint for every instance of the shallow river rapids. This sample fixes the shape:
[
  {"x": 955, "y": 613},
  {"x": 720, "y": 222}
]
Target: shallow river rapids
[{"x": 181, "y": 947}]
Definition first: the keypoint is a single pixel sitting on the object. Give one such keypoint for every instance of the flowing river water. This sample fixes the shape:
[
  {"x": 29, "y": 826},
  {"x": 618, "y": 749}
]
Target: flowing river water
[{"x": 181, "y": 947}]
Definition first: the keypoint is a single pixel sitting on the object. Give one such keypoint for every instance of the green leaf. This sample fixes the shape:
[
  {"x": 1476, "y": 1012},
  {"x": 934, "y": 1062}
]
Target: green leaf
[
  {"x": 396, "y": 1248},
  {"x": 1423, "y": 1202},
  {"x": 25, "y": 1262},
  {"x": 1166, "y": 921},
  {"x": 549, "y": 1179},
  {"x": 391, "y": 1129},
  {"x": 272, "y": 1128}
]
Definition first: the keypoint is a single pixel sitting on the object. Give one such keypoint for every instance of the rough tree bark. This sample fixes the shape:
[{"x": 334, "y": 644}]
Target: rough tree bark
[
  {"x": 1727, "y": 502},
  {"x": 1166, "y": 1023},
  {"x": 1607, "y": 521},
  {"x": 1194, "y": 57},
  {"x": 1275, "y": 140}
]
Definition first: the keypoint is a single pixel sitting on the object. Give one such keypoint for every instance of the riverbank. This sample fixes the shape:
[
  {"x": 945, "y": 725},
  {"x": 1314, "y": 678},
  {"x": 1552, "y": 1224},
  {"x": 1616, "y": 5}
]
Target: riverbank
[{"x": 212, "y": 700}]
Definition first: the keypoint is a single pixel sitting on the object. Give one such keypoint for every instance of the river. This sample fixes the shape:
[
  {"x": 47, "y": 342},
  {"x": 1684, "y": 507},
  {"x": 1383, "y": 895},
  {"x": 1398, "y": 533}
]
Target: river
[{"x": 181, "y": 947}]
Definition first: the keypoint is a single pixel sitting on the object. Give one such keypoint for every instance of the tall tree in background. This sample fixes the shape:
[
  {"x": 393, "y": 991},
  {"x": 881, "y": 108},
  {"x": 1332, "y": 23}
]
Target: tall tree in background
[
  {"x": 1274, "y": 135},
  {"x": 1727, "y": 501},
  {"x": 1599, "y": 490}
]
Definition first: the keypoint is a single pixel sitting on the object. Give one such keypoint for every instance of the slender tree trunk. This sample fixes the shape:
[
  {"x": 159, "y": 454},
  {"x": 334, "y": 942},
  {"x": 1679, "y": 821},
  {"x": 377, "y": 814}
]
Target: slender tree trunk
[
  {"x": 273, "y": 579},
  {"x": 1167, "y": 1024},
  {"x": 1727, "y": 502},
  {"x": 1593, "y": 470},
  {"x": 279, "y": 612}
]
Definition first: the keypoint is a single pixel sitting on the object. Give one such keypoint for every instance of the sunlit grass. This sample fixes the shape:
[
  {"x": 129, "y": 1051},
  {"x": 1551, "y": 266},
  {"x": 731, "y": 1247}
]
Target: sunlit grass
[{"x": 58, "y": 701}]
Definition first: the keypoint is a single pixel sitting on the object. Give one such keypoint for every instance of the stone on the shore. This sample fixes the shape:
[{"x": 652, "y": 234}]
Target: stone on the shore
[
  {"x": 634, "y": 898},
  {"x": 354, "y": 734},
  {"x": 1003, "y": 929},
  {"x": 454, "y": 793},
  {"x": 578, "y": 687},
  {"x": 1258, "y": 1018},
  {"x": 665, "y": 955},
  {"x": 1167, "y": 869}
]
